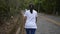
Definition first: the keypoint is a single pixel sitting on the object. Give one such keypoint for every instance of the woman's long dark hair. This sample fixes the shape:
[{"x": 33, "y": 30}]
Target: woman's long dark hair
[{"x": 31, "y": 7}]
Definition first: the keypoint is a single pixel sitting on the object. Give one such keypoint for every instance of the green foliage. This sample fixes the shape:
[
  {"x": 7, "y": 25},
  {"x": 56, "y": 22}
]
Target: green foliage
[
  {"x": 48, "y": 6},
  {"x": 9, "y": 8}
]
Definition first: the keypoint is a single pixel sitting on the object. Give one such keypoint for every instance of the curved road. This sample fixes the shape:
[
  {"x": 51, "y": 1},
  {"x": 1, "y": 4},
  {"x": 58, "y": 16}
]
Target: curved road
[{"x": 47, "y": 24}]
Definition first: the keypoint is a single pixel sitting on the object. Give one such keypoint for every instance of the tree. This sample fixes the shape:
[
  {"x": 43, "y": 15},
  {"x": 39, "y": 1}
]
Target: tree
[{"x": 9, "y": 8}]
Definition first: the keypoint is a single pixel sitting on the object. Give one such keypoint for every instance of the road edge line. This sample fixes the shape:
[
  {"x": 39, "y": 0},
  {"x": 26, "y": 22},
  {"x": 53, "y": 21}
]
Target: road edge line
[{"x": 55, "y": 22}]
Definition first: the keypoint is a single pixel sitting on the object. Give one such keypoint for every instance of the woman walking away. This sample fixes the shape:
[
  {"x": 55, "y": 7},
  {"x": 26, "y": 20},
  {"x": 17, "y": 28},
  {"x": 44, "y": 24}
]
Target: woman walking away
[{"x": 30, "y": 20}]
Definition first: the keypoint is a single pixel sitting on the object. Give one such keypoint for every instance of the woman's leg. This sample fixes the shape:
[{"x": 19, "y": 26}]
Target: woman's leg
[
  {"x": 30, "y": 31},
  {"x": 27, "y": 31},
  {"x": 33, "y": 31}
]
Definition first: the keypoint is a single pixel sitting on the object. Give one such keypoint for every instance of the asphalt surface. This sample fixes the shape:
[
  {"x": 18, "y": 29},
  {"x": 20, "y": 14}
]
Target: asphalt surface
[{"x": 47, "y": 24}]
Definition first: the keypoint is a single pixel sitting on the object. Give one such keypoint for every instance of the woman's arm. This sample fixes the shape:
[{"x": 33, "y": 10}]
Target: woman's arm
[
  {"x": 25, "y": 18},
  {"x": 36, "y": 19}
]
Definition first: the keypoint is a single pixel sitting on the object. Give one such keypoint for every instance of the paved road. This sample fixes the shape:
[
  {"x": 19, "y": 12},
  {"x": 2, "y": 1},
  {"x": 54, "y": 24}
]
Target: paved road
[{"x": 48, "y": 24}]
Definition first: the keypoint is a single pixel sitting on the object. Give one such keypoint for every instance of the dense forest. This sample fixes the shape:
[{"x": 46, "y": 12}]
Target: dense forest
[
  {"x": 10, "y": 8},
  {"x": 46, "y": 6}
]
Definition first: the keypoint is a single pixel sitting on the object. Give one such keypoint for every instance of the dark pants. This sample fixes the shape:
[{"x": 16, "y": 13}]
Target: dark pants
[{"x": 30, "y": 31}]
